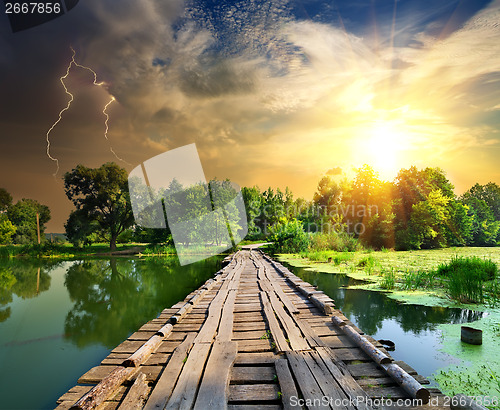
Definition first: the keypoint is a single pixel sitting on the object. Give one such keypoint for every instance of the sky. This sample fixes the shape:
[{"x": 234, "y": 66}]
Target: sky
[{"x": 273, "y": 92}]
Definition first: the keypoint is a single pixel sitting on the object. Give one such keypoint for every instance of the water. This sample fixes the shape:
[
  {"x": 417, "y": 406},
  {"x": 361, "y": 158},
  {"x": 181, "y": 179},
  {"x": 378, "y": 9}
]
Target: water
[
  {"x": 60, "y": 318},
  {"x": 413, "y": 328}
]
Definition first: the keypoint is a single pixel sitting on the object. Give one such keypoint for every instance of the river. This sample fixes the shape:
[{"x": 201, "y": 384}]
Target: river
[{"x": 60, "y": 318}]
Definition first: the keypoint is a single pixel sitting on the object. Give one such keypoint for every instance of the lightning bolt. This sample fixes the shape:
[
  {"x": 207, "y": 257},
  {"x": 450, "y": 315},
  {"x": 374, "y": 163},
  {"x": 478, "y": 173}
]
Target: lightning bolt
[{"x": 68, "y": 105}]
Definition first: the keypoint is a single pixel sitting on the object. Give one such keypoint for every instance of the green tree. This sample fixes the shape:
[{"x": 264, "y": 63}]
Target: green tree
[
  {"x": 23, "y": 216},
  {"x": 80, "y": 229},
  {"x": 5, "y": 200},
  {"x": 253, "y": 207},
  {"x": 482, "y": 203},
  {"x": 428, "y": 219},
  {"x": 101, "y": 195},
  {"x": 7, "y": 229},
  {"x": 489, "y": 193}
]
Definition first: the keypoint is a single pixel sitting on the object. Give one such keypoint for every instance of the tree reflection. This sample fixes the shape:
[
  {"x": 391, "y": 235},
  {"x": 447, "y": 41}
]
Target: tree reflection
[
  {"x": 25, "y": 279},
  {"x": 114, "y": 297},
  {"x": 369, "y": 309}
]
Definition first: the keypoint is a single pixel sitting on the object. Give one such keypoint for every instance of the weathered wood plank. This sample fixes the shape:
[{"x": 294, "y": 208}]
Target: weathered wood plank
[
  {"x": 253, "y": 374},
  {"x": 225, "y": 331},
  {"x": 165, "y": 385},
  {"x": 106, "y": 388},
  {"x": 253, "y": 392},
  {"x": 306, "y": 381},
  {"x": 287, "y": 385},
  {"x": 137, "y": 394},
  {"x": 184, "y": 392},
  {"x": 275, "y": 329},
  {"x": 326, "y": 381},
  {"x": 297, "y": 342},
  {"x": 213, "y": 391},
  {"x": 255, "y": 358}
]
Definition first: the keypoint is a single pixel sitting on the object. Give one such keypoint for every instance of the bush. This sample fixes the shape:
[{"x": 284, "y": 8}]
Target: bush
[
  {"x": 340, "y": 242},
  {"x": 288, "y": 237}
]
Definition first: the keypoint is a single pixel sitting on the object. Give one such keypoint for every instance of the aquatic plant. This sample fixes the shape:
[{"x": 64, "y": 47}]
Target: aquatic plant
[
  {"x": 388, "y": 279},
  {"x": 466, "y": 277}
]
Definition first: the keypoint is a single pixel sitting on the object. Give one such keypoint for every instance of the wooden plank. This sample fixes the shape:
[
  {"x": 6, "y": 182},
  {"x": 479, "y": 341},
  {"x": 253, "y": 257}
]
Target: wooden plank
[
  {"x": 279, "y": 291},
  {"x": 306, "y": 381},
  {"x": 184, "y": 392},
  {"x": 255, "y": 358},
  {"x": 165, "y": 385},
  {"x": 253, "y": 392},
  {"x": 287, "y": 385},
  {"x": 253, "y": 374},
  {"x": 225, "y": 331},
  {"x": 275, "y": 329},
  {"x": 254, "y": 407},
  {"x": 137, "y": 394},
  {"x": 297, "y": 342},
  {"x": 326, "y": 381},
  {"x": 214, "y": 385},
  {"x": 254, "y": 334},
  {"x": 74, "y": 394},
  {"x": 106, "y": 388}
]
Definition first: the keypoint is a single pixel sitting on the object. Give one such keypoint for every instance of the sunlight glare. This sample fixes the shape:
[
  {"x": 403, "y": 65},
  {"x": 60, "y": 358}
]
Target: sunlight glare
[{"x": 384, "y": 148}]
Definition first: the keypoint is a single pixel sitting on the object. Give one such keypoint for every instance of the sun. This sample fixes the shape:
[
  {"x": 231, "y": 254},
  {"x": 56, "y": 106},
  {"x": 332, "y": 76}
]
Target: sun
[{"x": 384, "y": 143}]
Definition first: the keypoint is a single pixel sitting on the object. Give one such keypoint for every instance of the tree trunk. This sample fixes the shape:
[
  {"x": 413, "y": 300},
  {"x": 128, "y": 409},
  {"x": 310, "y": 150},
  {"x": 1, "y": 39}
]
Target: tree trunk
[{"x": 112, "y": 243}]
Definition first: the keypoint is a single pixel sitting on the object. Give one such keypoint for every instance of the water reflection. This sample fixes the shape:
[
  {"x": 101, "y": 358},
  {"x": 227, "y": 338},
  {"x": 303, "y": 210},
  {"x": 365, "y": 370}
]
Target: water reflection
[
  {"x": 369, "y": 310},
  {"x": 23, "y": 278},
  {"x": 113, "y": 296},
  {"x": 59, "y": 318}
]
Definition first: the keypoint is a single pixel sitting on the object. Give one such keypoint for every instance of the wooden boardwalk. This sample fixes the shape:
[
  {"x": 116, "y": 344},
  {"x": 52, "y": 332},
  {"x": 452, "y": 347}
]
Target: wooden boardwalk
[{"x": 253, "y": 337}]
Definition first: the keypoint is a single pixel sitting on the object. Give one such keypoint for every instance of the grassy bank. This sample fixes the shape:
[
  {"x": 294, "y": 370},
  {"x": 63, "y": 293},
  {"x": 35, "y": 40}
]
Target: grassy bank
[
  {"x": 65, "y": 250},
  {"x": 428, "y": 278},
  {"x": 408, "y": 276}
]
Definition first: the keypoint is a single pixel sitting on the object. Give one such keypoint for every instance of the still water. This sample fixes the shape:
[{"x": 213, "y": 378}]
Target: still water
[
  {"x": 413, "y": 328},
  {"x": 60, "y": 318}
]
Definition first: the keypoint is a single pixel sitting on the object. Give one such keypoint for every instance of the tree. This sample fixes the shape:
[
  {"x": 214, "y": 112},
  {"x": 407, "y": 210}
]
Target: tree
[
  {"x": 80, "y": 230},
  {"x": 7, "y": 230},
  {"x": 101, "y": 195},
  {"x": 5, "y": 200},
  {"x": 489, "y": 193},
  {"x": 23, "y": 217},
  {"x": 482, "y": 203}
]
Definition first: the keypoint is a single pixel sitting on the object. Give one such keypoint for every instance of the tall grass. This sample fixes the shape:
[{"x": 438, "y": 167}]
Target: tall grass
[
  {"x": 368, "y": 263},
  {"x": 417, "y": 279},
  {"x": 388, "y": 279},
  {"x": 466, "y": 278}
]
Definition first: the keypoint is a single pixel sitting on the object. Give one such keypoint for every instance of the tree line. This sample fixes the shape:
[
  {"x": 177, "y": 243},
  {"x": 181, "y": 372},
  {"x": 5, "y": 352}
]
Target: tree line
[
  {"x": 18, "y": 221},
  {"x": 417, "y": 210}
]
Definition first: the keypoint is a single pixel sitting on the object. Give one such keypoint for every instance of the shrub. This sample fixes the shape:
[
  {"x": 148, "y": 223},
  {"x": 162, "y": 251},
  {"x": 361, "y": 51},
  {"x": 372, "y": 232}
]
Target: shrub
[
  {"x": 340, "y": 242},
  {"x": 288, "y": 237}
]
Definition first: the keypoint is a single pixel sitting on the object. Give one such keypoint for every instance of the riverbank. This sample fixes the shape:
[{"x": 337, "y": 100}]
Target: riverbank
[
  {"x": 66, "y": 250},
  {"x": 477, "y": 369}
]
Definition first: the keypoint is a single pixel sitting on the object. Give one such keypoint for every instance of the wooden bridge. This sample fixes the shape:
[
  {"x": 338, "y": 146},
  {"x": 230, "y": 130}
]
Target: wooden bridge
[{"x": 253, "y": 337}]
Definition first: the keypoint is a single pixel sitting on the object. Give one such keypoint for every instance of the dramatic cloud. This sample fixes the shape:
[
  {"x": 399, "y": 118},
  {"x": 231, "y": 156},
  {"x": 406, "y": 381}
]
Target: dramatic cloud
[{"x": 270, "y": 96}]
